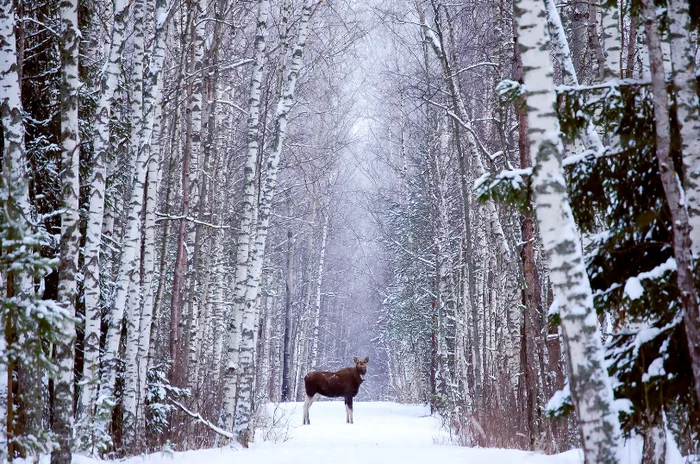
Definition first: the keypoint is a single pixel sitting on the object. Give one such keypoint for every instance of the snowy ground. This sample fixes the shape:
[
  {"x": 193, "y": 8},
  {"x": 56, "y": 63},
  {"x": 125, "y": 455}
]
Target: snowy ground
[{"x": 383, "y": 433}]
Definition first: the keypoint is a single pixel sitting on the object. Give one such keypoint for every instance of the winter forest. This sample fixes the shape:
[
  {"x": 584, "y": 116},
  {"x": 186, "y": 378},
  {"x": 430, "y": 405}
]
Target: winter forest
[{"x": 202, "y": 201}]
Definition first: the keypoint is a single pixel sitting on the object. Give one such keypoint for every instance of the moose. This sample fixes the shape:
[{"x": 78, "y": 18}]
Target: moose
[{"x": 346, "y": 383}]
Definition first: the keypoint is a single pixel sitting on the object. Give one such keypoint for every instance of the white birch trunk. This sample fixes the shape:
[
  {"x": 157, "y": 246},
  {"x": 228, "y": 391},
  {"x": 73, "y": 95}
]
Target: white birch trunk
[
  {"x": 452, "y": 81},
  {"x": 15, "y": 174},
  {"x": 243, "y": 432},
  {"x": 128, "y": 297},
  {"x": 612, "y": 49},
  {"x": 196, "y": 178},
  {"x": 317, "y": 298},
  {"x": 90, "y": 439},
  {"x": 195, "y": 105},
  {"x": 246, "y": 222},
  {"x": 70, "y": 231},
  {"x": 688, "y": 109},
  {"x": 560, "y": 46},
  {"x": 150, "y": 145},
  {"x": 590, "y": 386}
]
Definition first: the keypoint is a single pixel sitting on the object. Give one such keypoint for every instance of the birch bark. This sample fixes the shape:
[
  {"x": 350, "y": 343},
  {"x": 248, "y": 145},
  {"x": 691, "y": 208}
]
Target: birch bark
[
  {"x": 127, "y": 299},
  {"x": 197, "y": 189},
  {"x": 91, "y": 439},
  {"x": 70, "y": 231},
  {"x": 289, "y": 288},
  {"x": 438, "y": 45},
  {"x": 673, "y": 191},
  {"x": 560, "y": 46},
  {"x": 688, "y": 109},
  {"x": 611, "y": 39},
  {"x": 590, "y": 386},
  {"x": 15, "y": 191},
  {"x": 242, "y": 428},
  {"x": 150, "y": 146},
  {"x": 317, "y": 298},
  {"x": 245, "y": 226}
]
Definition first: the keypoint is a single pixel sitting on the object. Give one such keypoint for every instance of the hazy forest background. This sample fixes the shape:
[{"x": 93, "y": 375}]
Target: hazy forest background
[{"x": 497, "y": 201}]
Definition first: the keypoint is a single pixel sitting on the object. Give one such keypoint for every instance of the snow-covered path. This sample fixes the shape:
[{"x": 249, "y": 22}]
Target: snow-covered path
[{"x": 383, "y": 433}]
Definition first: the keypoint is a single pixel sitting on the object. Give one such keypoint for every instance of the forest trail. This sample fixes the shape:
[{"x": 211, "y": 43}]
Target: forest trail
[{"x": 383, "y": 433}]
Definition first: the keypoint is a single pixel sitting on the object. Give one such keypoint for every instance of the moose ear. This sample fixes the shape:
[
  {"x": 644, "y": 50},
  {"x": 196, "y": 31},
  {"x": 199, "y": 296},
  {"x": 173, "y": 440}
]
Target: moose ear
[
  {"x": 356, "y": 359},
  {"x": 366, "y": 359}
]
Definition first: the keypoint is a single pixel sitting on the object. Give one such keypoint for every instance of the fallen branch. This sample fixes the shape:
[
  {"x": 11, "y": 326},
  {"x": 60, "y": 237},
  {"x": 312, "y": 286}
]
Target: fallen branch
[
  {"x": 168, "y": 217},
  {"x": 198, "y": 417}
]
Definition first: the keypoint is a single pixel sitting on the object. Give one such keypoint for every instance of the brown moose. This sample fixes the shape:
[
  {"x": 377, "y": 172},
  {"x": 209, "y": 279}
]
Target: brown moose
[{"x": 346, "y": 383}]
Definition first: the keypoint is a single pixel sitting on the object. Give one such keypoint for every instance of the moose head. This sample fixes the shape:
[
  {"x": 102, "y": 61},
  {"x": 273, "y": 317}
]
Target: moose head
[{"x": 361, "y": 366}]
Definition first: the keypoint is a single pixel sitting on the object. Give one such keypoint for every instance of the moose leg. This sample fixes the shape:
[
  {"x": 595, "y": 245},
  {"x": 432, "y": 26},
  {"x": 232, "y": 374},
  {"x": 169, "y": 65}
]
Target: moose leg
[
  {"x": 348, "y": 409},
  {"x": 307, "y": 404}
]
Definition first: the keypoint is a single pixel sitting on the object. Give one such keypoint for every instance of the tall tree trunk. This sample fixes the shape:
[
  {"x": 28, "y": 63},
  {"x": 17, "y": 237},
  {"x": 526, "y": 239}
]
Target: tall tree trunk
[
  {"x": 70, "y": 231},
  {"x": 590, "y": 386},
  {"x": 688, "y": 109},
  {"x": 560, "y": 46},
  {"x": 289, "y": 289},
  {"x": 245, "y": 226},
  {"x": 199, "y": 169},
  {"x": 317, "y": 297},
  {"x": 178, "y": 357},
  {"x": 611, "y": 41},
  {"x": 242, "y": 429},
  {"x": 129, "y": 274},
  {"x": 92, "y": 439},
  {"x": 16, "y": 283},
  {"x": 674, "y": 193},
  {"x": 594, "y": 45}
]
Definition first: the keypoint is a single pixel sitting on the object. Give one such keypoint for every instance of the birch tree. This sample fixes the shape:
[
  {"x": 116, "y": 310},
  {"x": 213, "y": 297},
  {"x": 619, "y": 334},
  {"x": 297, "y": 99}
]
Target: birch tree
[
  {"x": 246, "y": 222},
  {"x": 688, "y": 108},
  {"x": 242, "y": 428},
  {"x": 590, "y": 386},
  {"x": 88, "y": 437},
  {"x": 70, "y": 232}
]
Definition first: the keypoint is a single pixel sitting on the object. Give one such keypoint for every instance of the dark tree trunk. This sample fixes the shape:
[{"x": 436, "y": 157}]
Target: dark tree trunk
[
  {"x": 674, "y": 193},
  {"x": 289, "y": 288}
]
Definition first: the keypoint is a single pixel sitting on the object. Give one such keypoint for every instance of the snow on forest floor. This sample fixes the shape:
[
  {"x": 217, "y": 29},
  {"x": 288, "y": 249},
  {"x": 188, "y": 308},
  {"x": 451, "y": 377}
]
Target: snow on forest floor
[{"x": 383, "y": 433}]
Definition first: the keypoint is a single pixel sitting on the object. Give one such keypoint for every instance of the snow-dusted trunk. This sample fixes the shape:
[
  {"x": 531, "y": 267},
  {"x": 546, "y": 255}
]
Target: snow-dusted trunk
[
  {"x": 688, "y": 109},
  {"x": 15, "y": 174},
  {"x": 70, "y": 231},
  {"x": 246, "y": 221},
  {"x": 673, "y": 192},
  {"x": 560, "y": 45},
  {"x": 88, "y": 437},
  {"x": 199, "y": 9},
  {"x": 149, "y": 244},
  {"x": 594, "y": 45},
  {"x": 178, "y": 351},
  {"x": 289, "y": 289},
  {"x": 128, "y": 294},
  {"x": 612, "y": 42},
  {"x": 590, "y": 386},
  {"x": 198, "y": 171},
  {"x": 242, "y": 429},
  {"x": 438, "y": 44},
  {"x": 150, "y": 146},
  {"x": 317, "y": 297}
]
